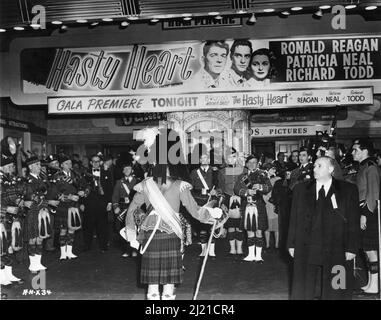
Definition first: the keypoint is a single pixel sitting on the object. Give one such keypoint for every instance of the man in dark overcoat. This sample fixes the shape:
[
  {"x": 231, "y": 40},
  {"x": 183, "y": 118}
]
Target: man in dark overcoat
[{"x": 323, "y": 235}]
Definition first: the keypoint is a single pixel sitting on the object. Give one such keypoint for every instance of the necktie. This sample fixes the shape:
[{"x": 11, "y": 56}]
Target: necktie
[
  {"x": 321, "y": 193},
  {"x": 96, "y": 170}
]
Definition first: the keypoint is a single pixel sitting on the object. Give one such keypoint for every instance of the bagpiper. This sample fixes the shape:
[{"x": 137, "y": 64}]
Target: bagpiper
[
  {"x": 38, "y": 225},
  {"x": 251, "y": 185},
  {"x": 12, "y": 192},
  {"x": 70, "y": 188},
  {"x": 228, "y": 177},
  {"x": 52, "y": 166}
]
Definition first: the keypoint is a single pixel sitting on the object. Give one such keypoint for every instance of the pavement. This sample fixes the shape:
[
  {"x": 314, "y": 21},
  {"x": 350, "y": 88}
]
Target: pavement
[{"x": 109, "y": 276}]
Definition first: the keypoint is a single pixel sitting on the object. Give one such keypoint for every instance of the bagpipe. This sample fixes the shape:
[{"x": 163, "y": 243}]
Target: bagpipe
[
  {"x": 324, "y": 140},
  {"x": 249, "y": 184}
]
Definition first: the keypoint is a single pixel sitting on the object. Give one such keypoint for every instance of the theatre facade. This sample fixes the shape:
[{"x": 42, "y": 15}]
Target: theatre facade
[{"x": 95, "y": 89}]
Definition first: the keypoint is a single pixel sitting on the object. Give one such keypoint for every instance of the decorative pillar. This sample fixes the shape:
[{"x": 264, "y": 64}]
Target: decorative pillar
[{"x": 232, "y": 124}]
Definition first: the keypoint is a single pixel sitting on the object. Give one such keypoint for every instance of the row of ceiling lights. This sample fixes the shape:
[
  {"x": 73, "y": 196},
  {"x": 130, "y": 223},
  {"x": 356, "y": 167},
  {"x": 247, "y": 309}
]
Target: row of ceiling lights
[{"x": 188, "y": 16}]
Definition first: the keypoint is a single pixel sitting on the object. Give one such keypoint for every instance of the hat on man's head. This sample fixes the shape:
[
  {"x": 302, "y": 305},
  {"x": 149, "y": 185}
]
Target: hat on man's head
[
  {"x": 63, "y": 158},
  {"x": 166, "y": 152},
  {"x": 126, "y": 163},
  {"x": 51, "y": 158},
  {"x": 252, "y": 156},
  {"x": 32, "y": 159},
  {"x": 5, "y": 160}
]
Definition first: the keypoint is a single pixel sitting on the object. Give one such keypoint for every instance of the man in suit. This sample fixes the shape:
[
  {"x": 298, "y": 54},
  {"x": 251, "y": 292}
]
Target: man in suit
[
  {"x": 97, "y": 205},
  {"x": 324, "y": 235},
  {"x": 305, "y": 171}
]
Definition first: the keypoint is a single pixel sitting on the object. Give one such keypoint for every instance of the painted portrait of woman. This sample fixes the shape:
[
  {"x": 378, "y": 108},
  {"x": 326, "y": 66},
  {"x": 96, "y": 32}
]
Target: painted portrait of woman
[{"x": 261, "y": 68}]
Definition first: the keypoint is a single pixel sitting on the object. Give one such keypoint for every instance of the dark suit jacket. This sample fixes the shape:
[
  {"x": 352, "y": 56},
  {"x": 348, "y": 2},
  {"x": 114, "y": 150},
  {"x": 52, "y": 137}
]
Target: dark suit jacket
[
  {"x": 341, "y": 233},
  {"x": 106, "y": 181}
]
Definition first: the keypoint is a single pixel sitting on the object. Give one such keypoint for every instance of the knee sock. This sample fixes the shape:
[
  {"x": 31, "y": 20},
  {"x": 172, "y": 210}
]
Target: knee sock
[
  {"x": 373, "y": 267},
  {"x": 32, "y": 249},
  {"x": 39, "y": 249},
  {"x": 260, "y": 242},
  {"x": 62, "y": 240},
  {"x": 70, "y": 239},
  {"x": 250, "y": 241},
  {"x": 203, "y": 237}
]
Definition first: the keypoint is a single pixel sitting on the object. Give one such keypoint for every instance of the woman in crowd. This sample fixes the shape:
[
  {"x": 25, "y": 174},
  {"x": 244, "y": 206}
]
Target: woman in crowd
[{"x": 272, "y": 214}]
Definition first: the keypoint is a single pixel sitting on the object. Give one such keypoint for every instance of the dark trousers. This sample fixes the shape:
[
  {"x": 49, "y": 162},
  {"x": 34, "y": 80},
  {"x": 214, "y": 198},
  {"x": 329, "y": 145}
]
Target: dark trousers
[{"x": 95, "y": 219}]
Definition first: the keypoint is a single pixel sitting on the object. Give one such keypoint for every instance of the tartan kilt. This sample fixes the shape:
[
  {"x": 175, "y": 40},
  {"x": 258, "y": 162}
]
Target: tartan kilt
[
  {"x": 60, "y": 217},
  {"x": 263, "y": 223},
  {"x": 233, "y": 223},
  {"x": 162, "y": 261},
  {"x": 31, "y": 223},
  {"x": 370, "y": 234}
]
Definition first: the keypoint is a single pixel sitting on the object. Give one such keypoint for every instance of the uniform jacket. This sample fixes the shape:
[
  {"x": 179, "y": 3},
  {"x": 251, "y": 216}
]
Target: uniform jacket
[
  {"x": 301, "y": 174},
  {"x": 119, "y": 194},
  {"x": 12, "y": 191},
  {"x": 211, "y": 179},
  {"x": 245, "y": 182},
  {"x": 368, "y": 183},
  {"x": 68, "y": 184}
]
